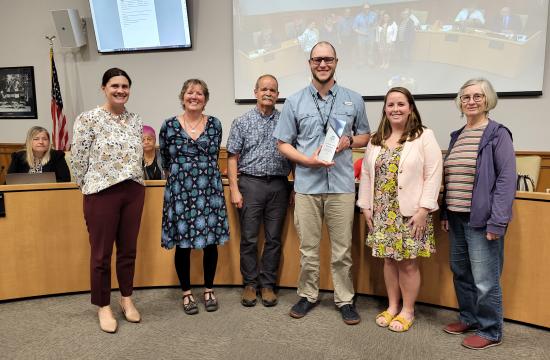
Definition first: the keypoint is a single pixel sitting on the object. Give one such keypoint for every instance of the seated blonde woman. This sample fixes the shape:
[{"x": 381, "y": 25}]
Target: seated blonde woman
[{"x": 39, "y": 157}]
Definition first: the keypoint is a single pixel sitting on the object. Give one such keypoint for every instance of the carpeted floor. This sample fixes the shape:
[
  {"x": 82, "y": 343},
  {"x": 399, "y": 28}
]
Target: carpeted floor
[{"x": 65, "y": 327}]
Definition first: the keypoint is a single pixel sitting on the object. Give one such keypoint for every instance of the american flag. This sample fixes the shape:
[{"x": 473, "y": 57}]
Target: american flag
[{"x": 60, "y": 134}]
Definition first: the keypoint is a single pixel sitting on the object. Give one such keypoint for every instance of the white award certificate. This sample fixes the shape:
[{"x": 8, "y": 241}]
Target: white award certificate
[
  {"x": 332, "y": 138},
  {"x": 329, "y": 145}
]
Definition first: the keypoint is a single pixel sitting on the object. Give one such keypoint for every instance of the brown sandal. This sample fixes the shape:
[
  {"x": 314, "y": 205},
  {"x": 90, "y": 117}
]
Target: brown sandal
[
  {"x": 191, "y": 307},
  {"x": 210, "y": 302}
]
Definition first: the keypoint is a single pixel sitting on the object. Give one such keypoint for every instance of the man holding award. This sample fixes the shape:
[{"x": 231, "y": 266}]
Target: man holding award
[{"x": 317, "y": 128}]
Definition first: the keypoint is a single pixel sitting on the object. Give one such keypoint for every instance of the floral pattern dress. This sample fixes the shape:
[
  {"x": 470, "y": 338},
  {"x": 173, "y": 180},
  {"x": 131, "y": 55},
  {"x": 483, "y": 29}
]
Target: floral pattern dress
[
  {"x": 392, "y": 237},
  {"x": 194, "y": 214}
]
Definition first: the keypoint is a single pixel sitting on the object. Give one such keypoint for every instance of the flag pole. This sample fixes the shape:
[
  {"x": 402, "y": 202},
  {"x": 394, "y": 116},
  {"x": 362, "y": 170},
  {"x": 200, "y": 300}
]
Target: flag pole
[
  {"x": 54, "y": 132},
  {"x": 60, "y": 134}
]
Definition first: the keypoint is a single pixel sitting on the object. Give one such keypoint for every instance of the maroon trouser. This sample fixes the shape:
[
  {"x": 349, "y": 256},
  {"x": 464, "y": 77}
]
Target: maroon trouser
[{"x": 112, "y": 216}]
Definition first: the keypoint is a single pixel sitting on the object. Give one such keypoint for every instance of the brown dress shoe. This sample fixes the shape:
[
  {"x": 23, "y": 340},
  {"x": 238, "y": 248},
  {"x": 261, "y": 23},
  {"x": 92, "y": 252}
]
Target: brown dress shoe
[
  {"x": 476, "y": 342},
  {"x": 248, "y": 298},
  {"x": 458, "y": 328},
  {"x": 268, "y": 297},
  {"x": 107, "y": 321}
]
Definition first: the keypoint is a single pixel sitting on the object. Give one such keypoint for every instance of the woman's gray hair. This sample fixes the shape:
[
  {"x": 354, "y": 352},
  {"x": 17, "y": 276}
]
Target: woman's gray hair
[{"x": 487, "y": 89}]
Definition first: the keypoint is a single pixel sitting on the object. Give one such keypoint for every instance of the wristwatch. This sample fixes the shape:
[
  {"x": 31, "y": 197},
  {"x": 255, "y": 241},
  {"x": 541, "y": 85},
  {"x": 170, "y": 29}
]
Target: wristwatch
[{"x": 350, "y": 138}]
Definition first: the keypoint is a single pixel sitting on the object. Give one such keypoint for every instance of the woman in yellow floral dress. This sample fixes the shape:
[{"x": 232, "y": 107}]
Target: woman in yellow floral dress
[{"x": 400, "y": 181}]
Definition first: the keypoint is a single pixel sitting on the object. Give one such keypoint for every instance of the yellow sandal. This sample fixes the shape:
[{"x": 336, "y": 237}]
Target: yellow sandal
[
  {"x": 406, "y": 323},
  {"x": 387, "y": 317}
]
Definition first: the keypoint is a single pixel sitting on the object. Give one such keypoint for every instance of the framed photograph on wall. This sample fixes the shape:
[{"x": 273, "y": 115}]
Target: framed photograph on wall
[{"x": 17, "y": 93}]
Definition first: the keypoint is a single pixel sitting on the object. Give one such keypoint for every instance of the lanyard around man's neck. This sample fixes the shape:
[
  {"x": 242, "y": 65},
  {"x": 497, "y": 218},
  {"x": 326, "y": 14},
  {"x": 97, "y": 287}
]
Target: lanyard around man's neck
[{"x": 316, "y": 101}]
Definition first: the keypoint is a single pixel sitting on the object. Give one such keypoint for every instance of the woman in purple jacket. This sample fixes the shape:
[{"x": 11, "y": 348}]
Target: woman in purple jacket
[{"x": 479, "y": 189}]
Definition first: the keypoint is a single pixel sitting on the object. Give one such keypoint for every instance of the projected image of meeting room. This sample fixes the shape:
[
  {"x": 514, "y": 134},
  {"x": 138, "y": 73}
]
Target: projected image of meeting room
[{"x": 428, "y": 46}]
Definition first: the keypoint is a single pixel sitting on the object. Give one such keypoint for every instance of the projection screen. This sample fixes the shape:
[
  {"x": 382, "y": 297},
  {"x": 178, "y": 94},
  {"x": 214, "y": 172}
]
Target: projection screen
[{"x": 429, "y": 46}]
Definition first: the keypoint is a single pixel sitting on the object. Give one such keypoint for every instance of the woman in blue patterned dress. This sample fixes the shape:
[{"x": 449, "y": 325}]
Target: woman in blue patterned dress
[{"x": 194, "y": 215}]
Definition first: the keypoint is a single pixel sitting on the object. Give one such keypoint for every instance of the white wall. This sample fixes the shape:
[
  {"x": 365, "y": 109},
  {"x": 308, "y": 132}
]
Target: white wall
[{"x": 157, "y": 76}]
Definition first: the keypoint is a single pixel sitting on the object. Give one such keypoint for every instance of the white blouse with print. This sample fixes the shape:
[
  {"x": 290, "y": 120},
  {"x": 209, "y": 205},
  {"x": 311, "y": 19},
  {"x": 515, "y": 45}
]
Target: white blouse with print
[{"x": 106, "y": 149}]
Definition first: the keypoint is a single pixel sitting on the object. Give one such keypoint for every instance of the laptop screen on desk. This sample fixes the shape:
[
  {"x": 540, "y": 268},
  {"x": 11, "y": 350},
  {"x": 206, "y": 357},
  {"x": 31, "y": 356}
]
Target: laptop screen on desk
[{"x": 24, "y": 178}]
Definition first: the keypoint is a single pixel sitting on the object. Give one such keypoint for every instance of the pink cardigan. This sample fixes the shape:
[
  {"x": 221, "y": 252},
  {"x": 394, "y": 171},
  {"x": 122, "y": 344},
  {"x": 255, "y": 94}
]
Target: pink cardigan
[{"x": 419, "y": 178}]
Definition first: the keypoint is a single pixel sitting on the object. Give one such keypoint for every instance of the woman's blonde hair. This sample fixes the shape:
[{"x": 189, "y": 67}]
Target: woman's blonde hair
[
  {"x": 190, "y": 82},
  {"x": 35, "y": 130}
]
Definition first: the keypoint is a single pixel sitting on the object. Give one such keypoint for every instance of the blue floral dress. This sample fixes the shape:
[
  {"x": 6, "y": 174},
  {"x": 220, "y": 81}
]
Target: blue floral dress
[
  {"x": 391, "y": 236},
  {"x": 194, "y": 213}
]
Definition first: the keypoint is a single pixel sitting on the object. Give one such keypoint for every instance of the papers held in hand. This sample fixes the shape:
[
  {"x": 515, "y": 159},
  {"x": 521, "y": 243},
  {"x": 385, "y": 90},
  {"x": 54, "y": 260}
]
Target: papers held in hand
[{"x": 335, "y": 130}]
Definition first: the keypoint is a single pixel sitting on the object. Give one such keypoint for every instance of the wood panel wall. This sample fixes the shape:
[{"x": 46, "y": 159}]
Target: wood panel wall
[
  {"x": 52, "y": 256},
  {"x": 5, "y": 158},
  {"x": 544, "y": 177}
]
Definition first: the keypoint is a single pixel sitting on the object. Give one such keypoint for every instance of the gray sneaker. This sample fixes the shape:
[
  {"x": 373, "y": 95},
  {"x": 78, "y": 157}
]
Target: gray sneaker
[
  {"x": 301, "y": 308},
  {"x": 349, "y": 314}
]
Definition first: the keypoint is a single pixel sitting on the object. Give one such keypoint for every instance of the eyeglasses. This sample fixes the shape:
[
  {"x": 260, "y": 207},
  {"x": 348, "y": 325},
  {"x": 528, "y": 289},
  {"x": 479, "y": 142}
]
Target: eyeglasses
[
  {"x": 476, "y": 97},
  {"x": 319, "y": 60}
]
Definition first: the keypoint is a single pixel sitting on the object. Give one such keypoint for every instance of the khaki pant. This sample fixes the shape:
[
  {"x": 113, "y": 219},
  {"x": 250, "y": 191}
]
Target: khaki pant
[{"x": 337, "y": 210}]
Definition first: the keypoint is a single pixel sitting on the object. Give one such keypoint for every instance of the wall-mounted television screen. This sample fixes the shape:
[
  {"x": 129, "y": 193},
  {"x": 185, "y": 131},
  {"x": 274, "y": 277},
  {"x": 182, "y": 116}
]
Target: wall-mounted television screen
[{"x": 140, "y": 25}]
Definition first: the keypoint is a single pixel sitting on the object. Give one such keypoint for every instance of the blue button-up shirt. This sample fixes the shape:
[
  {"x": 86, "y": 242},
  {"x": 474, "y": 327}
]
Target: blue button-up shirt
[
  {"x": 251, "y": 136},
  {"x": 365, "y": 22},
  {"x": 301, "y": 125}
]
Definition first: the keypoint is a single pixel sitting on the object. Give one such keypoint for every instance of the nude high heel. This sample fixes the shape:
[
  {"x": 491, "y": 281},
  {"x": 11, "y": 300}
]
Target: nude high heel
[
  {"x": 107, "y": 321},
  {"x": 130, "y": 312}
]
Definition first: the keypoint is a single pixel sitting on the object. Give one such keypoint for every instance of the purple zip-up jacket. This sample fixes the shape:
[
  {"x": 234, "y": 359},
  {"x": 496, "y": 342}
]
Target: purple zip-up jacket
[{"x": 495, "y": 180}]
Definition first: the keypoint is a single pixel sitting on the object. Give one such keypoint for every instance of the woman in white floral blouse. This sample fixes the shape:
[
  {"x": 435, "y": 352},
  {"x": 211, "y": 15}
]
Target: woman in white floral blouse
[{"x": 106, "y": 160}]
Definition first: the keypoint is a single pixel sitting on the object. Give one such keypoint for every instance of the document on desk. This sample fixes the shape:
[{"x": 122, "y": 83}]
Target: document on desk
[{"x": 335, "y": 129}]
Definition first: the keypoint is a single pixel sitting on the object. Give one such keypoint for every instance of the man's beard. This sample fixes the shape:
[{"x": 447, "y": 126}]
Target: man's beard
[{"x": 323, "y": 81}]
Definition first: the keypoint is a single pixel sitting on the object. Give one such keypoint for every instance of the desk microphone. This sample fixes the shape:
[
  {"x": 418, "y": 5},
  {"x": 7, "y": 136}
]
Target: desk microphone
[{"x": 2, "y": 207}]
